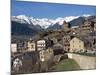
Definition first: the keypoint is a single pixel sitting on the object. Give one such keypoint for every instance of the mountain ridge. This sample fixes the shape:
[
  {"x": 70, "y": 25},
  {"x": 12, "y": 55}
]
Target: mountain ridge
[
  {"x": 43, "y": 22},
  {"x": 22, "y": 25}
]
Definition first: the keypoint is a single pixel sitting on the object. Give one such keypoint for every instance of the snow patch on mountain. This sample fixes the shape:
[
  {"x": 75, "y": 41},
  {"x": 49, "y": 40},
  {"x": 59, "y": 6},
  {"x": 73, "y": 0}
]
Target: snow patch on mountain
[
  {"x": 86, "y": 15},
  {"x": 44, "y": 22}
]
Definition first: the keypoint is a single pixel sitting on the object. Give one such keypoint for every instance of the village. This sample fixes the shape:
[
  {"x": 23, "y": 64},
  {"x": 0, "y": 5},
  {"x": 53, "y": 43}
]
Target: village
[{"x": 40, "y": 54}]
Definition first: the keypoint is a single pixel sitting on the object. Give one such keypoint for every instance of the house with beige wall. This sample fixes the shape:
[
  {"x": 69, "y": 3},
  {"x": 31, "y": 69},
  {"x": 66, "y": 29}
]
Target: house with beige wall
[
  {"x": 77, "y": 44},
  {"x": 31, "y": 45}
]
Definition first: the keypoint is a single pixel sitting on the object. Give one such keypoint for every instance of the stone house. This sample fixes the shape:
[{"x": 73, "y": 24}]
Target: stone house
[
  {"x": 22, "y": 46},
  {"x": 88, "y": 26},
  {"x": 45, "y": 55},
  {"x": 58, "y": 49},
  {"x": 66, "y": 44},
  {"x": 31, "y": 45},
  {"x": 92, "y": 41},
  {"x": 41, "y": 45},
  {"x": 44, "y": 44},
  {"x": 79, "y": 44}
]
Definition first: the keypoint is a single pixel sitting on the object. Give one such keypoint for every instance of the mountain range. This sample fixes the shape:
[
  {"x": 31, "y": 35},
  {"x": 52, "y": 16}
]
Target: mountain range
[{"x": 25, "y": 25}]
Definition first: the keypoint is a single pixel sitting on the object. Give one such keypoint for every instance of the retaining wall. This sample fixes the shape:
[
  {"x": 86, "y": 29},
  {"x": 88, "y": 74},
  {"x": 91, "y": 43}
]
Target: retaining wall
[{"x": 85, "y": 62}]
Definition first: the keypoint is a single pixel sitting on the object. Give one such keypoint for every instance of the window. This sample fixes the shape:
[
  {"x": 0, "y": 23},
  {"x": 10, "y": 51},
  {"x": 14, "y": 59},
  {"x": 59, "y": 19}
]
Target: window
[{"x": 32, "y": 46}]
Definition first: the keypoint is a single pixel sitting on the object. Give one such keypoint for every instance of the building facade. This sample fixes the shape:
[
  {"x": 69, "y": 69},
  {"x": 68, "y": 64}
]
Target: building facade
[
  {"x": 66, "y": 44},
  {"x": 45, "y": 55},
  {"x": 41, "y": 45},
  {"x": 58, "y": 49},
  {"x": 31, "y": 45},
  {"x": 22, "y": 46},
  {"x": 76, "y": 45},
  {"x": 14, "y": 48},
  {"x": 88, "y": 26}
]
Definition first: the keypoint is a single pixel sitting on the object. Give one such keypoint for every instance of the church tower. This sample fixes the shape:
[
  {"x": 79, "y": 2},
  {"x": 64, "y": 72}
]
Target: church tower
[{"x": 66, "y": 26}]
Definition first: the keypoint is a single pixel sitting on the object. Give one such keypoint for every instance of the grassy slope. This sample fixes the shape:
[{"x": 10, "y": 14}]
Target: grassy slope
[{"x": 66, "y": 65}]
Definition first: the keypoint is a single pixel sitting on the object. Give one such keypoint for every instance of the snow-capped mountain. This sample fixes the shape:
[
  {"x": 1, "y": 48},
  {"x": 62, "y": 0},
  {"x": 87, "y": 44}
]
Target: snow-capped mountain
[
  {"x": 44, "y": 22},
  {"x": 24, "y": 25}
]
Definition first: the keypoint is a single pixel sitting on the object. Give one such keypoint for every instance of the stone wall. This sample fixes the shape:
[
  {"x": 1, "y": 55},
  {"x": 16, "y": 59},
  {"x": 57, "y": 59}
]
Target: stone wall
[{"x": 85, "y": 62}]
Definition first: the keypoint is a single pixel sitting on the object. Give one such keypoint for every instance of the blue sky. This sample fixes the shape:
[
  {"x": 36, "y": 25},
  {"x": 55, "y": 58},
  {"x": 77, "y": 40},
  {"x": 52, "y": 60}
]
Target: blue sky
[{"x": 50, "y": 10}]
